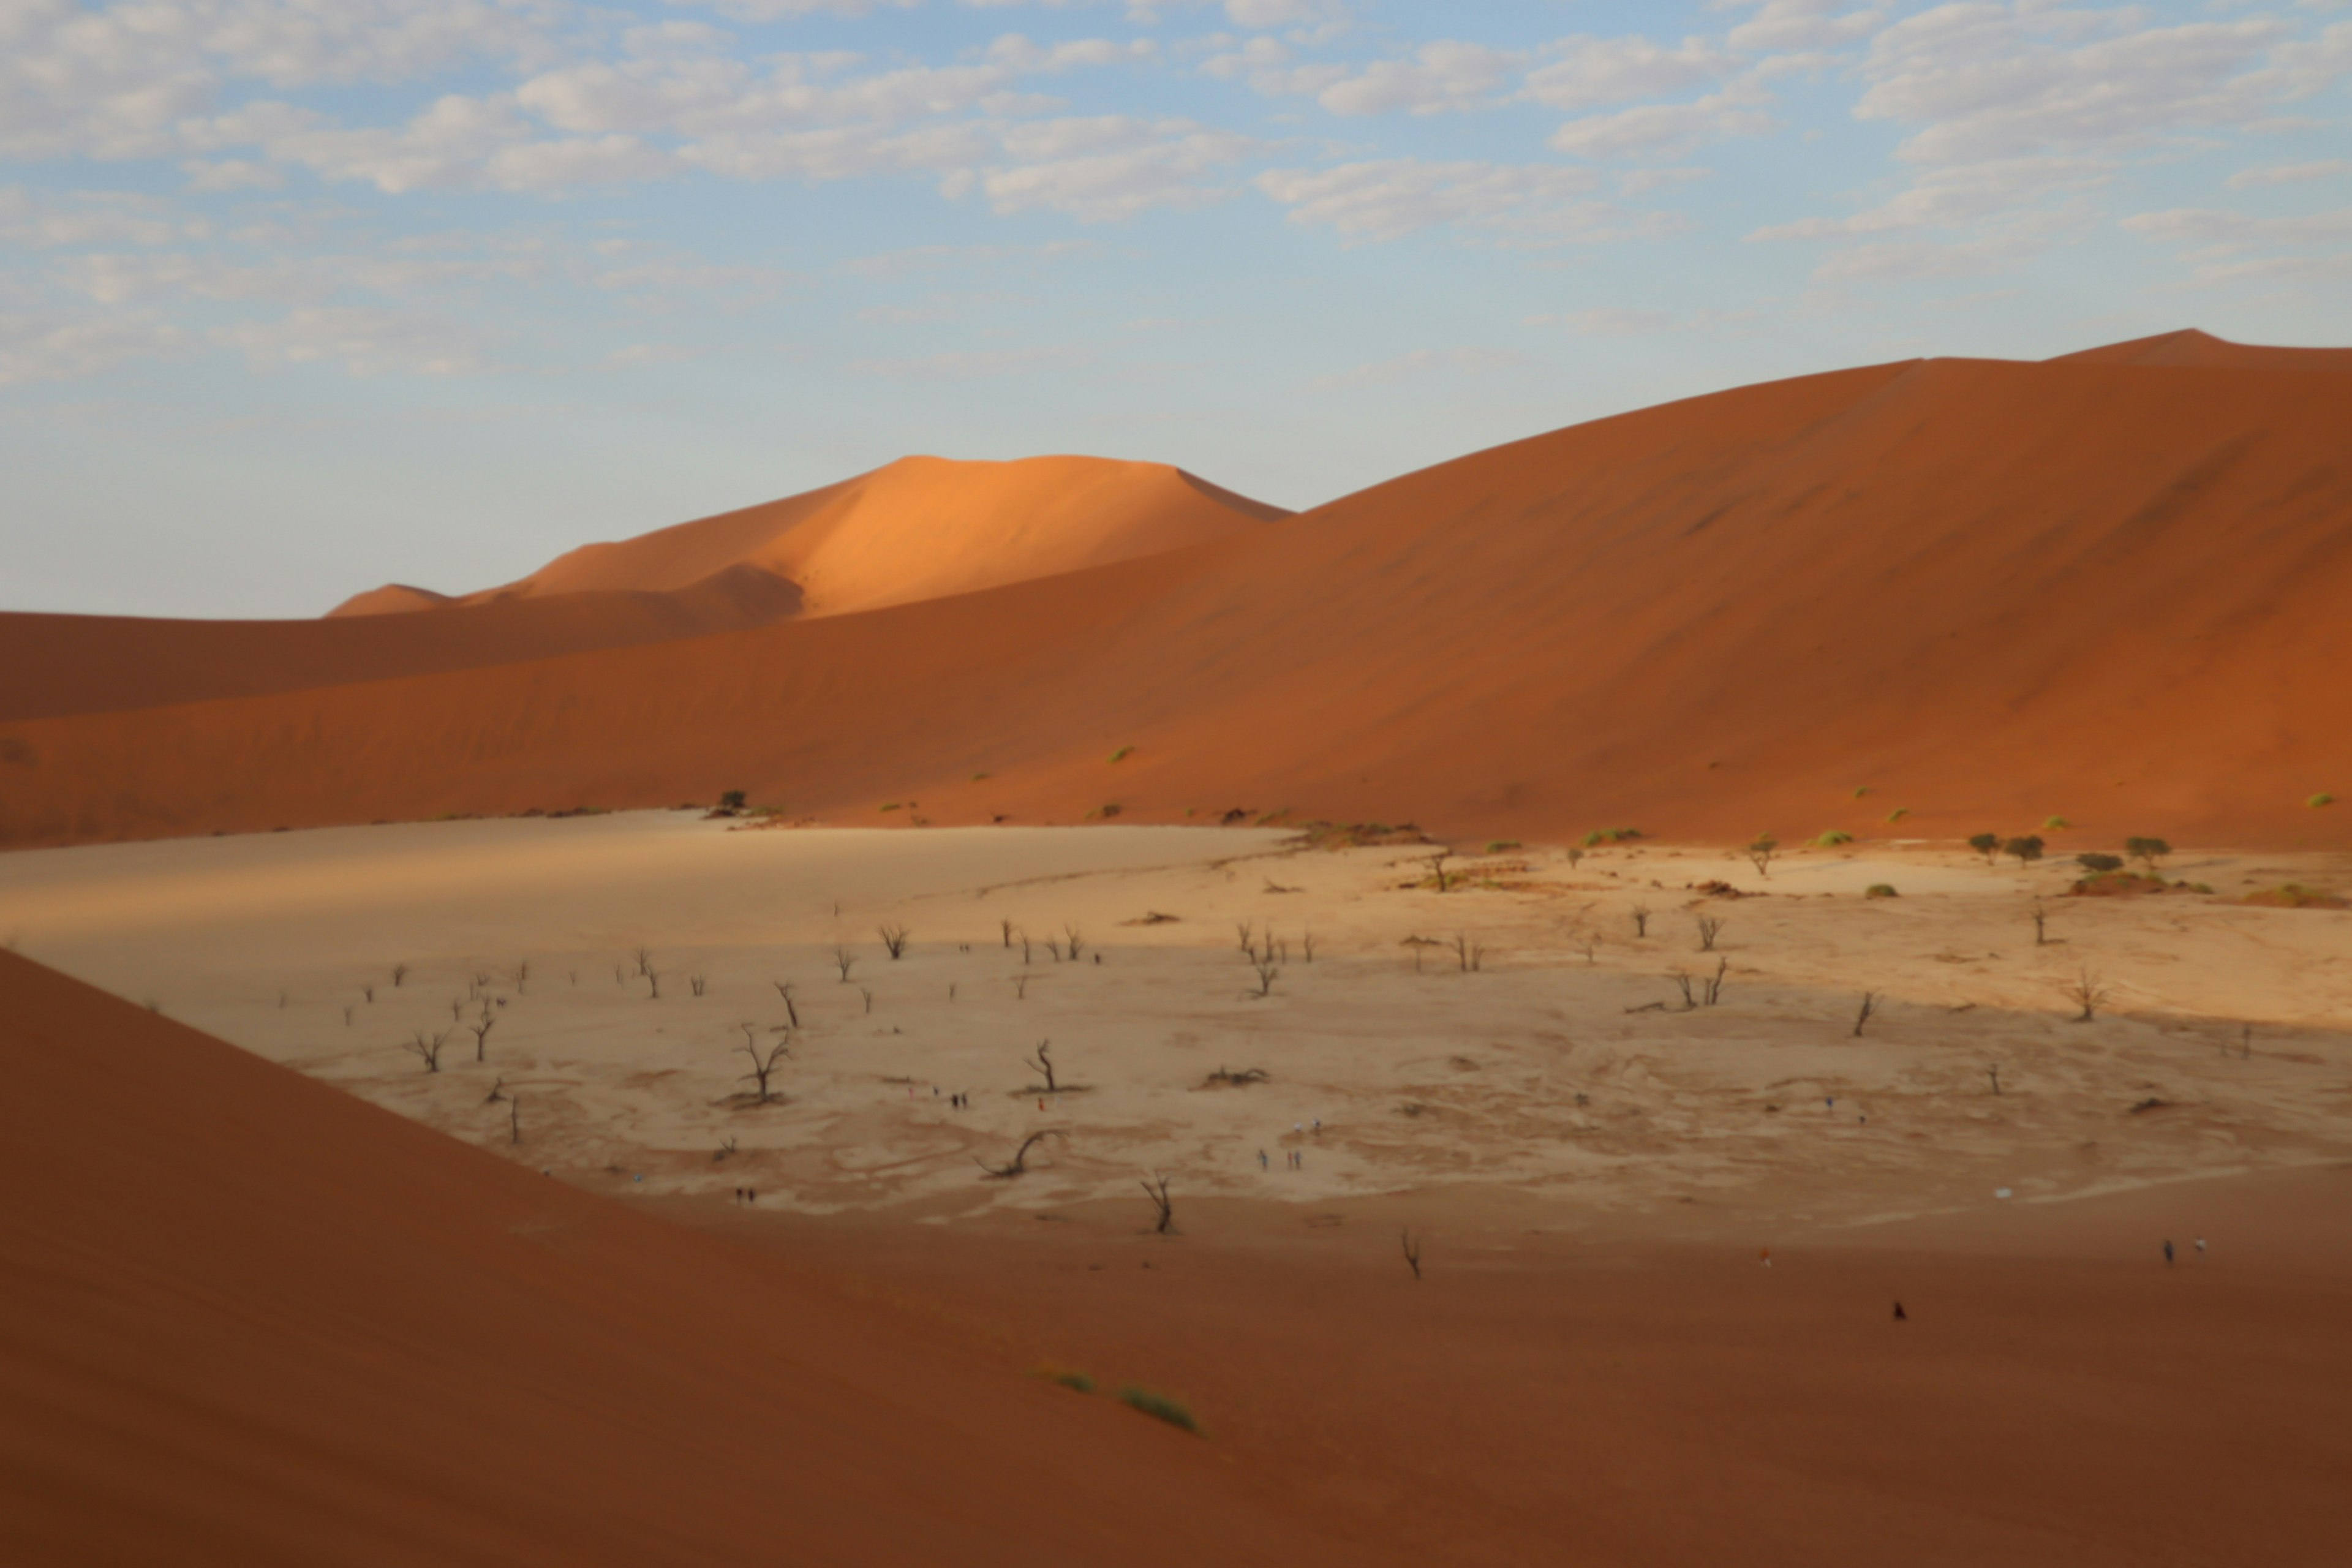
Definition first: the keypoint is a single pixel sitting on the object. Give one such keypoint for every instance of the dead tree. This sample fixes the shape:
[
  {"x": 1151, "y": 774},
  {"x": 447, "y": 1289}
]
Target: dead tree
[
  {"x": 1714, "y": 982},
  {"x": 1267, "y": 974},
  {"x": 428, "y": 1048},
  {"x": 347, "y": 1016},
  {"x": 1993, "y": 1072},
  {"x": 368, "y": 991},
  {"x": 1157, "y": 1193},
  {"x": 480, "y": 1028},
  {"x": 1247, "y": 932},
  {"x": 1075, "y": 942},
  {"x": 2087, "y": 992},
  {"x": 843, "y": 960},
  {"x": 723, "y": 1150},
  {"x": 695, "y": 983},
  {"x": 784, "y": 990},
  {"x": 1591, "y": 949},
  {"x": 1468, "y": 956},
  {"x": 644, "y": 961},
  {"x": 653, "y": 983},
  {"x": 514, "y": 1119},
  {"x": 1683, "y": 983},
  {"x": 1709, "y": 927},
  {"x": 399, "y": 974},
  {"x": 521, "y": 975},
  {"x": 2041, "y": 917},
  {"x": 1437, "y": 867},
  {"x": 1024, "y": 946},
  {"x": 1042, "y": 1061},
  {"x": 1019, "y": 1165},
  {"x": 869, "y": 998},
  {"x": 1869, "y": 1005},
  {"x": 1412, "y": 1253},
  {"x": 1417, "y": 943},
  {"x": 1021, "y": 988},
  {"x": 762, "y": 1067},
  {"x": 1307, "y": 945},
  {"x": 498, "y": 1093},
  {"x": 893, "y": 940},
  {"x": 457, "y": 1008},
  {"x": 1641, "y": 913}
]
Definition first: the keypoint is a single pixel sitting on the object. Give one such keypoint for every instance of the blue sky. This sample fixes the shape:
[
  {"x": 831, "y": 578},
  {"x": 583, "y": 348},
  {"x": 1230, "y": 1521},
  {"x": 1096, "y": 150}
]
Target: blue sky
[{"x": 301, "y": 295}]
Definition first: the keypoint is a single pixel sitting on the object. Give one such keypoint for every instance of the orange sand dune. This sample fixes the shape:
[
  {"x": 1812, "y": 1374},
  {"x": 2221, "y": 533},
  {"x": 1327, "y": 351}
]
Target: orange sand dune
[
  {"x": 916, "y": 529},
  {"x": 52, "y": 666},
  {"x": 2203, "y": 351},
  {"x": 251, "y": 1319},
  {"x": 1980, "y": 593}
]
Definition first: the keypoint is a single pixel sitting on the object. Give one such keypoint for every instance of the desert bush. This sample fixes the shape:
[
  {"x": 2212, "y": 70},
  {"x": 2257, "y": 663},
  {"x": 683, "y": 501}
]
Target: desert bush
[
  {"x": 1898, "y": 814},
  {"x": 2051, "y": 824},
  {"x": 1158, "y": 1406},
  {"x": 893, "y": 940},
  {"x": 1880, "y": 891},
  {"x": 2322, "y": 798},
  {"x": 1832, "y": 838},
  {"x": 1123, "y": 753},
  {"x": 1067, "y": 1378},
  {"x": 2026, "y": 849},
  {"x": 1496, "y": 846},
  {"x": 2099, "y": 865},
  {"x": 2148, "y": 851},
  {"x": 2295, "y": 896},
  {"x": 732, "y": 800},
  {"x": 1760, "y": 852},
  {"x": 1987, "y": 845}
]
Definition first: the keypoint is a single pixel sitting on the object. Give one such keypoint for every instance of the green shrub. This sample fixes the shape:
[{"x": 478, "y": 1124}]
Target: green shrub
[
  {"x": 1111, "y": 809},
  {"x": 1898, "y": 814},
  {"x": 1881, "y": 890},
  {"x": 1496, "y": 846},
  {"x": 732, "y": 800},
  {"x": 1987, "y": 845},
  {"x": 1123, "y": 753},
  {"x": 1861, "y": 790},
  {"x": 2099, "y": 865},
  {"x": 2054, "y": 822},
  {"x": 2149, "y": 850},
  {"x": 1160, "y": 1405},
  {"x": 2026, "y": 849},
  {"x": 1076, "y": 1380},
  {"x": 977, "y": 777},
  {"x": 1832, "y": 838},
  {"x": 2322, "y": 798}
]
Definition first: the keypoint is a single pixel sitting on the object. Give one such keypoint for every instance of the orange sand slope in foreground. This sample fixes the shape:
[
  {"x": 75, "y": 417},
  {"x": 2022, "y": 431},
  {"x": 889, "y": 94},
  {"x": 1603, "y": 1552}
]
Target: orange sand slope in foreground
[
  {"x": 251, "y": 1319},
  {"x": 917, "y": 529},
  {"x": 1986, "y": 593}
]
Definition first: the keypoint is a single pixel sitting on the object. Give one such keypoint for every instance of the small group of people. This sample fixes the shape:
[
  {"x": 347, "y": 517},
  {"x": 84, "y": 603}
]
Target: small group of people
[
  {"x": 2199, "y": 1244},
  {"x": 747, "y": 1194}
]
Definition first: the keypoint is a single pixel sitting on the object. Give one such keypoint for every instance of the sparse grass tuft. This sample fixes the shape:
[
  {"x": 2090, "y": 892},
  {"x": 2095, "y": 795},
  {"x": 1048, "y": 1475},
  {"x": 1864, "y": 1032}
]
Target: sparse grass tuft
[
  {"x": 888, "y": 806},
  {"x": 1832, "y": 838},
  {"x": 1601, "y": 836},
  {"x": 1898, "y": 814},
  {"x": 1496, "y": 846},
  {"x": 1069, "y": 1377},
  {"x": 1160, "y": 1406},
  {"x": 1881, "y": 890},
  {"x": 1123, "y": 753},
  {"x": 2049, "y": 823},
  {"x": 2322, "y": 798},
  {"x": 2295, "y": 896}
]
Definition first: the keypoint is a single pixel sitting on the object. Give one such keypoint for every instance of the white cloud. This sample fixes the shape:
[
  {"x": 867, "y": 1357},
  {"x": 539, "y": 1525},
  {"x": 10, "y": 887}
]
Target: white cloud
[
  {"x": 1421, "y": 363},
  {"x": 1439, "y": 77},
  {"x": 2289, "y": 174},
  {"x": 1589, "y": 72},
  {"x": 41, "y": 347},
  {"x": 1782, "y": 25},
  {"x": 1608, "y": 321},
  {"x": 1109, "y": 167},
  {"x": 1666, "y": 129},
  {"x": 1388, "y": 198},
  {"x": 363, "y": 340}
]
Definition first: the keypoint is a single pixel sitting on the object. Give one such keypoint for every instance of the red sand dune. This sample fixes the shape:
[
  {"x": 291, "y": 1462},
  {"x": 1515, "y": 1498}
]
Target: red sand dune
[
  {"x": 2203, "y": 351},
  {"x": 250, "y": 1319},
  {"x": 1984, "y": 592},
  {"x": 916, "y": 529}
]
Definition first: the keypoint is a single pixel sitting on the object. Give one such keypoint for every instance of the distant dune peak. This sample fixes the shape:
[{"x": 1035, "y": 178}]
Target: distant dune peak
[
  {"x": 919, "y": 528},
  {"x": 2193, "y": 348}
]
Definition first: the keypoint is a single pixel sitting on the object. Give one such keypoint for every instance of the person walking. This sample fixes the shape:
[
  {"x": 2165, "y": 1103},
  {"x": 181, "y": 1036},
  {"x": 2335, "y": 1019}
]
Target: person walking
[
  {"x": 2168, "y": 1252},
  {"x": 2199, "y": 1245}
]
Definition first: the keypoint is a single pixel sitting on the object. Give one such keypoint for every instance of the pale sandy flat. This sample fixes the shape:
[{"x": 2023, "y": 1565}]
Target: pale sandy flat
[{"x": 1534, "y": 1075}]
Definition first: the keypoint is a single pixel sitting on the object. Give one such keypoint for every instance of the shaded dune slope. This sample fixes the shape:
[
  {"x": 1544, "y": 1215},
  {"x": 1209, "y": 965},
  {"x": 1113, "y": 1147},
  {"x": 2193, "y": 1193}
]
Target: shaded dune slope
[
  {"x": 251, "y": 1319},
  {"x": 1985, "y": 592},
  {"x": 916, "y": 529}
]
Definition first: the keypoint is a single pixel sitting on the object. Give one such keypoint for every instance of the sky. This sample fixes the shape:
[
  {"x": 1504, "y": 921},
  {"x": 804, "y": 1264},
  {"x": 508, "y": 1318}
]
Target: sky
[{"x": 298, "y": 297}]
